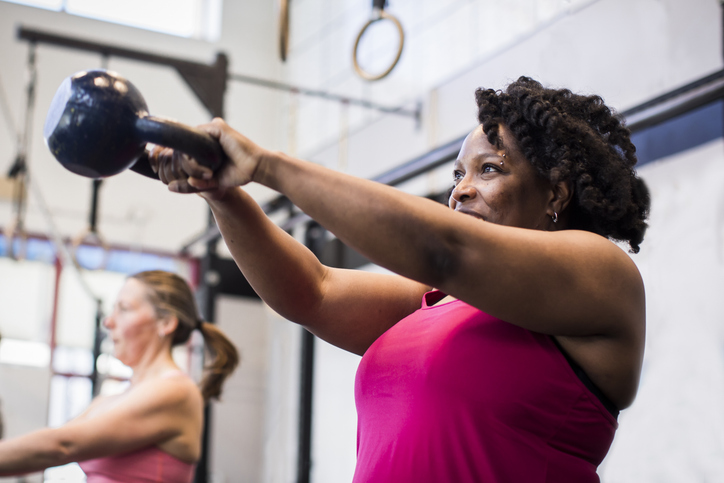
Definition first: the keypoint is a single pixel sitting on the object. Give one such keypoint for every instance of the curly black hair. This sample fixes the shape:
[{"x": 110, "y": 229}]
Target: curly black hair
[{"x": 577, "y": 139}]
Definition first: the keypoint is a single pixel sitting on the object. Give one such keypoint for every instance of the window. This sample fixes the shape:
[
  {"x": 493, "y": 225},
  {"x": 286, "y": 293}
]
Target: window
[{"x": 197, "y": 19}]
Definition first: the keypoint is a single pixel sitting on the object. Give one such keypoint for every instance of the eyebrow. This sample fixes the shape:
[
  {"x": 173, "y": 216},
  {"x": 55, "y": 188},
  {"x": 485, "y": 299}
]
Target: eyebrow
[
  {"x": 489, "y": 155},
  {"x": 483, "y": 156}
]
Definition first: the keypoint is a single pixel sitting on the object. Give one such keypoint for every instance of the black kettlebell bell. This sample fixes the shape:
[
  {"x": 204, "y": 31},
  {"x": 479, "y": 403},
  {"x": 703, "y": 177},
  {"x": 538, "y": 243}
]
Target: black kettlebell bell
[{"x": 98, "y": 126}]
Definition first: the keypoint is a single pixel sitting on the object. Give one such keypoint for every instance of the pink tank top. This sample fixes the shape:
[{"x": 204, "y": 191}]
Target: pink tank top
[
  {"x": 451, "y": 394},
  {"x": 146, "y": 465}
]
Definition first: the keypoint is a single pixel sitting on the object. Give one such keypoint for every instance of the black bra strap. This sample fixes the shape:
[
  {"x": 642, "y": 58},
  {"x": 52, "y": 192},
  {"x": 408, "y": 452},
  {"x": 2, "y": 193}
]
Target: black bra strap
[{"x": 608, "y": 404}]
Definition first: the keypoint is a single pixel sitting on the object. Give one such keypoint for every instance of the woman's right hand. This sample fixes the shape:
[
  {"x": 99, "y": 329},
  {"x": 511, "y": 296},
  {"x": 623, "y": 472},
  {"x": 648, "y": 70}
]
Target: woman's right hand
[{"x": 184, "y": 174}]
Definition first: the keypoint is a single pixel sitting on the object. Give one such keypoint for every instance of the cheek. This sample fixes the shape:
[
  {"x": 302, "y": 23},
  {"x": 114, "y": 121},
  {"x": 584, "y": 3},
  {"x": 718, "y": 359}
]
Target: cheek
[
  {"x": 497, "y": 198},
  {"x": 506, "y": 204},
  {"x": 134, "y": 330}
]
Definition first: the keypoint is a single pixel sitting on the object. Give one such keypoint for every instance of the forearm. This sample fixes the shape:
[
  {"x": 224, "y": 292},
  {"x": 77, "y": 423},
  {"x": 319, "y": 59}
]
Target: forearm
[
  {"x": 33, "y": 452},
  {"x": 282, "y": 271}
]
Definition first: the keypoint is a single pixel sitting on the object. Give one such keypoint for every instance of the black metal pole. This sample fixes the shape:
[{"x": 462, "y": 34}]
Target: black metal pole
[
  {"x": 314, "y": 239},
  {"x": 304, "y": 451},
  {"x": 207, "y": 294},
  {"x": 207, "y": 299},
  {"x": 93, "y": 217},
  {"x": 95, "y": 376}
]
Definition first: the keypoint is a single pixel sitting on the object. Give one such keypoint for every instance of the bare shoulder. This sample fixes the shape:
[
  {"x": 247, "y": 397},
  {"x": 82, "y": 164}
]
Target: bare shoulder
[
  {"x": 167, "y": 392},
  {"x": 98, "y": 404},
  {"x": 610, "y": 267}
]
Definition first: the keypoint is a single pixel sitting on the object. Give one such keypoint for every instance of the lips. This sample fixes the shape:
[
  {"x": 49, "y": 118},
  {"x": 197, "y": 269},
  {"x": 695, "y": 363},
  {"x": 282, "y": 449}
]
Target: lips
[{"x": 471, "y": 213}]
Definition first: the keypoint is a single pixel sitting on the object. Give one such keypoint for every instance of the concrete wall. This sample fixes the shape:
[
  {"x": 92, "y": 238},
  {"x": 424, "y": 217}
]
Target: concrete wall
[
  {"x": 237, "y": 420},
  {"x": 675, "y": 430}
]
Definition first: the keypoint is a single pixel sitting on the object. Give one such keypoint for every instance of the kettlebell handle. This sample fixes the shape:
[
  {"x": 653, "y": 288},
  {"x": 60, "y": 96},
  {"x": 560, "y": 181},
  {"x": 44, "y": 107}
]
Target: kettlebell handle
[{"x": 171, "y": 134}]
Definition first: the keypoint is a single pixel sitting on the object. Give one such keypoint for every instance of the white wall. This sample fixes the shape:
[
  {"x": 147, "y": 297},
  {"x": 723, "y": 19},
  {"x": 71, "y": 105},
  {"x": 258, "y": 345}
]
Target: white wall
[
  {"x": 674, "y": 432},
  {"x": 237, "y": 420},
  {"x": 24, "y": 396}
]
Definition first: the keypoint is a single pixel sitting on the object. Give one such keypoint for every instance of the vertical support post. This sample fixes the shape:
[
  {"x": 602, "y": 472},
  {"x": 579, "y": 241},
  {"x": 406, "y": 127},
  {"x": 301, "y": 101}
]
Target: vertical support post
[
  {"x": 306, "y": 382},
  {"x": 95, "y": 376},
  {"x": 207, "y": 305},
  {"x": 314, "y": 239},
  {"x": 93, "y": 216},
  {"x": 212, "y": 93}
]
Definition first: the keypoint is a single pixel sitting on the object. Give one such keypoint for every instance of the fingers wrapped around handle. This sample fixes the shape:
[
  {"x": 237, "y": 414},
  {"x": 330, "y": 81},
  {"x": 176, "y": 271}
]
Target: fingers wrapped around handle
[{"x": 195, "y": 143}]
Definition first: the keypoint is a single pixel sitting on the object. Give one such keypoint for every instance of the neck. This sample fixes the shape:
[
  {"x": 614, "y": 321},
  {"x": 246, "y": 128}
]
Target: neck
[{"x": 154, "y": 363}]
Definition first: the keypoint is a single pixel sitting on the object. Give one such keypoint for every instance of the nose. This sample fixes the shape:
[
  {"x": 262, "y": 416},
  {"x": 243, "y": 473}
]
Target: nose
[
  {"x": 463, "y": 191},
  {"x": 108, "y": 322}
]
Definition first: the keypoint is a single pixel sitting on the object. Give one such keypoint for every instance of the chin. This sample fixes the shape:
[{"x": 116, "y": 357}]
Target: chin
[{"x": 121, "y": 357}]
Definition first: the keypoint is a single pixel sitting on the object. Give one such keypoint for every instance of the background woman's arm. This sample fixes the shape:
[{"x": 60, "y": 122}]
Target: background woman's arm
[{"x": 149, "y": 415}]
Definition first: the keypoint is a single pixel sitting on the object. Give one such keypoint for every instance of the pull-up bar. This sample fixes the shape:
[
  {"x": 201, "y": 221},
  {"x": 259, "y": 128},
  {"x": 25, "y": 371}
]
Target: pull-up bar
[{"x": 208, "y": 82}]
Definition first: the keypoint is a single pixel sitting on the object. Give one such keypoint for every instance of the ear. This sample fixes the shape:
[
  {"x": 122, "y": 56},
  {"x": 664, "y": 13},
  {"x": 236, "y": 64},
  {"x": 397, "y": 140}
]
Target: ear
[
  {"x": 167, "y": 325},
  {"x": 561, "y": 195}
]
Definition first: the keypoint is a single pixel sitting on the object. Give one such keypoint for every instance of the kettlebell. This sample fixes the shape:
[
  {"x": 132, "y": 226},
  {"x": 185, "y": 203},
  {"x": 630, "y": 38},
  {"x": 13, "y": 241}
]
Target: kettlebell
[{"x": 98, "y": 126}]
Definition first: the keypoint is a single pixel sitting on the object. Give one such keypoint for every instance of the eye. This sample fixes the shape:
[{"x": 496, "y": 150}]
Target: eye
[
  {"x": 490, "y": 168},
  {"x": 458, "y": 175}
]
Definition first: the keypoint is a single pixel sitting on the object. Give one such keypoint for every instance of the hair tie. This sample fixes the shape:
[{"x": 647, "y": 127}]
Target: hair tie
[{"x": 199, "y": 323}]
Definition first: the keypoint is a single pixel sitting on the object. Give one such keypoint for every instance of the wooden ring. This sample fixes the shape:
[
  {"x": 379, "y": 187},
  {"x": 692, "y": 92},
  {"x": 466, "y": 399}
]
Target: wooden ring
[
  {"x": 284, "y": 30},
  {"x": 381, "y": 15}
]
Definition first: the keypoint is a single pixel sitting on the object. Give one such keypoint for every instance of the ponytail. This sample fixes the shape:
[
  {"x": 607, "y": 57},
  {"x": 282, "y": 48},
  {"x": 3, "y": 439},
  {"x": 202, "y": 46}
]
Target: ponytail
[{"x": 224, "y": 359}]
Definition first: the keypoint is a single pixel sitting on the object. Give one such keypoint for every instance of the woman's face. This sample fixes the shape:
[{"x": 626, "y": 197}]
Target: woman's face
[
  {"x": 499, "y": 185},
  {"x": 133, "y": 324}
]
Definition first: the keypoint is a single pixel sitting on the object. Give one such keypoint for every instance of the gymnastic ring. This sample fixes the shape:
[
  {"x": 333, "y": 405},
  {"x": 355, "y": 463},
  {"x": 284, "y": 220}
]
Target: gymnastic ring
[
  {"x": 378, "y": 15},
  {"x": 96, "y": 239},
  {"x": 284, "y": 30}
]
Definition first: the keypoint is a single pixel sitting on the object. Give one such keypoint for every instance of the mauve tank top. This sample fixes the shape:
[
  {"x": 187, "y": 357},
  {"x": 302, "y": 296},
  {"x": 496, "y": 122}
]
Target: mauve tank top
[
  {"x": 143, "y": 466},
  {"x": 451, "y": 394}
]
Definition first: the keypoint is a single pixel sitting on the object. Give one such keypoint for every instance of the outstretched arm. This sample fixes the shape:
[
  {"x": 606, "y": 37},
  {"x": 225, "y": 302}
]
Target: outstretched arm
[
  {"x": 567, "y": 283},
  {"x": 147, "y": 416}
]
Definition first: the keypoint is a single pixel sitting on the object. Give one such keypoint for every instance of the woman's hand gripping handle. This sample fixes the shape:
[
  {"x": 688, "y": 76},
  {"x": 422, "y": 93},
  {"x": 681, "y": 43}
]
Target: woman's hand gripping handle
[{"x": 183, "y": 174}]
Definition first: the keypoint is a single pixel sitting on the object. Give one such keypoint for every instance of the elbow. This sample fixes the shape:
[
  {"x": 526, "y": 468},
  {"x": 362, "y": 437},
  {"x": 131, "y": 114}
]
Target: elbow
[
  {"x": 59, "y": 455},
  {"x": 60, "y": 452}
]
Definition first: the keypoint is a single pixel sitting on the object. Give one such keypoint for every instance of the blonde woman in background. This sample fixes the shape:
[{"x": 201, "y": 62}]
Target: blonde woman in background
[{"x": 152, "y": 431}]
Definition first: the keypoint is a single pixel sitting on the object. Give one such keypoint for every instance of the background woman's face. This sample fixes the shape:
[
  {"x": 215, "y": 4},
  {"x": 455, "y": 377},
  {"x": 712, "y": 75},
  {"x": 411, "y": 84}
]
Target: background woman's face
[
  {"x": 133, "y": 324},
  {"x": 498, "y": 185}
]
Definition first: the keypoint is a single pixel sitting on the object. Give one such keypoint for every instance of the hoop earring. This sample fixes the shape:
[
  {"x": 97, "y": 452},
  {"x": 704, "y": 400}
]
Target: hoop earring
[{"x": 555, "y": 217}]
